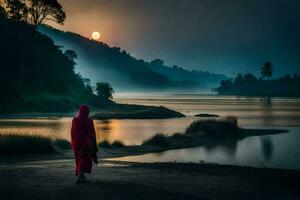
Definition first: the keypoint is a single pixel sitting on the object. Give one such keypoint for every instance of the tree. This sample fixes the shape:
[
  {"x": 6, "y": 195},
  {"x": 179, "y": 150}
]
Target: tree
[
  {"x": 87, "y": 84},
  {"x": 238, "y": 79},
  {"x": 267, "y": 70},
  {"x": 71, "y": 55},
  {"x": 45, "y": 10},
  {"x": 2, "y": 11},
  {"x": 105, "y": 90},
  {"x": 296, "y": 75},
  {"x": 16, "y": 10},
  {"x": 34, "y": 12},
  {"x": 158, "y": 62},
  {"x": 249, "y": 78}
]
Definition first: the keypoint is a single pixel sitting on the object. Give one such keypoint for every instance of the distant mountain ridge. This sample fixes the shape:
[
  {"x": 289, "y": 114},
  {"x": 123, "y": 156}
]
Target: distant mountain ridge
[{"x": 100, "y": 62}]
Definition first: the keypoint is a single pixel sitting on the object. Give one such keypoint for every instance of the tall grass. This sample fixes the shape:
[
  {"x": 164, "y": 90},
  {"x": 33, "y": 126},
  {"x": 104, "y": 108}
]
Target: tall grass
[
  {"x": 62, "y": 143},
  {"x": 107, "y": 144},
  {"x": 18, "y": 144},
  {"x": 104, "y": 144},
  {"x": 223, "y": 127},
  {"x": 157, "y": 140},
  {"x": 117, "y": 143},
  {"x": 30, "y": 144}
]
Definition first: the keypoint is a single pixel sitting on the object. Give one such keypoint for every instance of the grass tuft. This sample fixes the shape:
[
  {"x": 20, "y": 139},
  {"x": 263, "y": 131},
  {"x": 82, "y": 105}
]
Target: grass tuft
[
  {"x": 117, "y": 143},
  {"x": 104, "y": 144},
  {"x": 157, "y": 140}
]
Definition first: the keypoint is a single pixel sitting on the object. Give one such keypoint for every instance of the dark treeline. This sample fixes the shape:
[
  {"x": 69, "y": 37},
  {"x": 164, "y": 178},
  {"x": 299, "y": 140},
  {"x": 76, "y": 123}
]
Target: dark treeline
[
  {"x": 126, "y": 73},
  {"x": 37, "y": 75},
  {"x": 249, "y": 85}
]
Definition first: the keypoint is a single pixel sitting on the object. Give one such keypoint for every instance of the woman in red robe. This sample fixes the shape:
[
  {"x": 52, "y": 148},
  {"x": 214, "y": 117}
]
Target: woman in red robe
[{"x": 84, "y": 143}]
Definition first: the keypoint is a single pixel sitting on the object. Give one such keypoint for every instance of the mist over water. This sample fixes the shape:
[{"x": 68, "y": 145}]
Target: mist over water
[{"x": 276, "y": 111}]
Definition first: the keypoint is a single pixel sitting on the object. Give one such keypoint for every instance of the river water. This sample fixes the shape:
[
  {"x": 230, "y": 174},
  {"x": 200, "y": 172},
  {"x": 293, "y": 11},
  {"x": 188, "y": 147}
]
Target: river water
[{"x": 279, "y": 151}]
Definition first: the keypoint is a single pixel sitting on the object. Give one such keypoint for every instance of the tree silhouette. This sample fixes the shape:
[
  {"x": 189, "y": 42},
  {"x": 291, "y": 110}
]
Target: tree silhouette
[
  {"x": 87, "y": 84},
  {"x": 158, "y": 62},
  {"x": 267, "y": 70},
  {"x": 34, "y": 12},
  {"x": 250, "y": 85},
  {"x": 45, "y": 10},
  {"x": 16, "y": 10},
  {"x": 105, "y": 90},
  {"x": 71, "y": 55},
  {"x": 2, "y": 11}
]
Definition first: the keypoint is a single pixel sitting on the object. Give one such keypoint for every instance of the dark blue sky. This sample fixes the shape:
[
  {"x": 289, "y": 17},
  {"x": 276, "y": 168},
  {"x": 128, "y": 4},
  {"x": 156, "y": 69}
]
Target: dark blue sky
[{"x": 228, "y": 36}]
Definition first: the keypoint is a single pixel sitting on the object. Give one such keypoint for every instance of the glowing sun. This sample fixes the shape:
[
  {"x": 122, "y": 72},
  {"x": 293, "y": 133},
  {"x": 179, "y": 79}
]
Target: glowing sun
[{"x": 96, "y": 35}]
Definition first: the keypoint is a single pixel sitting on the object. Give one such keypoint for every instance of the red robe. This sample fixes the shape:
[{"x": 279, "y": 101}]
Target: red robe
[{"x": 83, "y": 138}]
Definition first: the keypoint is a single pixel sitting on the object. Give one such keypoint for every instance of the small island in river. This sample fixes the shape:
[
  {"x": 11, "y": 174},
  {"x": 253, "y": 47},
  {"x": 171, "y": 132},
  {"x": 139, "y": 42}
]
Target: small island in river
[{"x": 126, "y": 111}]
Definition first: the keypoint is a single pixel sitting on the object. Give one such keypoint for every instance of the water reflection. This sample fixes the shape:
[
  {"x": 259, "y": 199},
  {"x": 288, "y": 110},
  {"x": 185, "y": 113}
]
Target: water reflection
[
  {"x": 133, "y": 132},
  {"x": 229, "y": 148},
  {"x": 105, "y": 126},
  {"x": 103, "y": 129},
  {"x": 267, "y": 147},
  {"x": 51, "y": 127},
  {"x": 129, "y": 131},
  {"x": 267, "y": 101},
  {"x": 267, "y": 111},
  {"x": 258, "y": 151}
]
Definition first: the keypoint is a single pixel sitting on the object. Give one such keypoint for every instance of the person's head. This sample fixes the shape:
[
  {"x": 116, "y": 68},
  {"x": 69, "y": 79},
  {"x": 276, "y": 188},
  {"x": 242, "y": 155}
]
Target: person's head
[{"x": 84, "y": 111}]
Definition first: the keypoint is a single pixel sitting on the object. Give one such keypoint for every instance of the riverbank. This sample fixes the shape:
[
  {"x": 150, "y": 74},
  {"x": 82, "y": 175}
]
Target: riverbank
[
  {"x": 126, "y": 111},
  {"x": 114, "y": 111},
  {"x": 33, "y": 177}
]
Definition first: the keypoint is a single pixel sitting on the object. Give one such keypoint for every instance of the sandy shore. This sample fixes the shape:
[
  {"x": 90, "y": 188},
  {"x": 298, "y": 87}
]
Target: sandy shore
[{"x": 51, "y": 177}]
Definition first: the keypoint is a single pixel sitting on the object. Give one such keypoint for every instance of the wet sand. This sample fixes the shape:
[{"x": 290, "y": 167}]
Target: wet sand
[{"x": 51, "y": 177}]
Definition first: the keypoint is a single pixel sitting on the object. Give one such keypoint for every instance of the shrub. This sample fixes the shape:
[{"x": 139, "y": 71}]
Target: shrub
[
  {"x": 117, "y": 143},
  {"x": 104, "y": 144},
  {"x": 157, "y": 140},
  {"x": 202, "y": 126},
  {"x": 223, "y": 127},
  {"x": 19, "y": 144},
  {"x": 230, "y": 120},
  {"x": 178, "y": 136}
]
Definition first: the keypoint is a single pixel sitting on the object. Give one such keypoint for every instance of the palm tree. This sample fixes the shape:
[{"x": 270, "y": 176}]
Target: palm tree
[{"x": 267, "y": 70}]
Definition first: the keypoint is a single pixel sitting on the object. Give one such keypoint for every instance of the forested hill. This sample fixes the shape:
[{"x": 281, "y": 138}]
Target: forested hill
[
  {"x": 97, "y": 61},
  {"x": 36, "y": 75}
]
